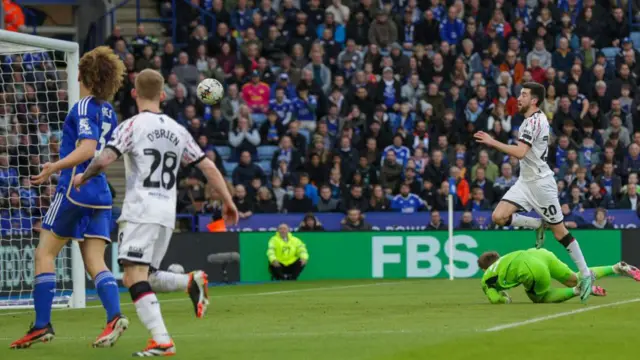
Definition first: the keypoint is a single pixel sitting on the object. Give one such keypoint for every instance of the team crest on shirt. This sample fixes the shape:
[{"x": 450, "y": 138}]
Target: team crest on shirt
[{"x": 84, "y": 127}]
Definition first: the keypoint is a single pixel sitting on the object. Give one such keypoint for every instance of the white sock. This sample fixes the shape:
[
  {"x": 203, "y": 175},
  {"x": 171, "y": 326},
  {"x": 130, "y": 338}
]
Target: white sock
[
  {"x": 525, "y": 221},
  {"x": 578, "y": 258},
  {"x": 148, "y": 309},
  {"x": 164, "y": 281}
]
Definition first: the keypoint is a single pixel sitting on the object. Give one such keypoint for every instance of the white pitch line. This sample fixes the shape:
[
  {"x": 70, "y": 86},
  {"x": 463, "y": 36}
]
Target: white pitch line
[
  {"x": 558, "y": 315},
  {"x": 269, "y": 293}
]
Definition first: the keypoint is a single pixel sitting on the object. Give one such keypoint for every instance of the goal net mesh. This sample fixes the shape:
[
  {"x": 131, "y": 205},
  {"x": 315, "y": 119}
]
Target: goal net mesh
[{"x": 33, "y": 106}]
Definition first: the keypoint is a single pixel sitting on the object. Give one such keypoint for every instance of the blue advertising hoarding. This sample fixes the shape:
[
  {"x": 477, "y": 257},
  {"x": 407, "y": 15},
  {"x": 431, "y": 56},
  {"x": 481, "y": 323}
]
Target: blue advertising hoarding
[{"x": 388, "y": 221}]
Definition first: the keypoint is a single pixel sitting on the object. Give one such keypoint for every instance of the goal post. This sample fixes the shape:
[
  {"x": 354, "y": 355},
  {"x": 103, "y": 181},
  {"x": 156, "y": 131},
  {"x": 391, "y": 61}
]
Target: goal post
[{"x": 38, "y": 85}]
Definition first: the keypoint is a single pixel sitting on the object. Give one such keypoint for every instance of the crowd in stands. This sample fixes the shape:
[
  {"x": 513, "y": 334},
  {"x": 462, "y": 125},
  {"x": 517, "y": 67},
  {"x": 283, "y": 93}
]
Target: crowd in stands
[{"x": 371, "y": 105}]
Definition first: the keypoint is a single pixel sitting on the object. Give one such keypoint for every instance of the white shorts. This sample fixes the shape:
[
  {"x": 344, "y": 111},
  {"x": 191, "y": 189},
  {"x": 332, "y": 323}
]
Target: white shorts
[
  {"x": 144, "y": 244},
  {"x": 540, "y": 195}
]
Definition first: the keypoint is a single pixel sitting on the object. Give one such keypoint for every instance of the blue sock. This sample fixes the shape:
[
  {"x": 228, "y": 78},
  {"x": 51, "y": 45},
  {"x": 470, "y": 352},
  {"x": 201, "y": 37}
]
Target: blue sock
[
  {"x": 43, "y": 291},
  {"x": 109, "y": 293}
]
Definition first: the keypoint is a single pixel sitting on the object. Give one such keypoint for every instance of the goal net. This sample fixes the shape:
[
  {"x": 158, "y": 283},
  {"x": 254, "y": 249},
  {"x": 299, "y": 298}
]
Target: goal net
[{"x": 38, "y": 83}]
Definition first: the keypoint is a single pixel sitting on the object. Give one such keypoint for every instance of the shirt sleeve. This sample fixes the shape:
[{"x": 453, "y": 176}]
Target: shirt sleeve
[
  {"x": 87, "y": 122},
  {"x": 192, "y": 153},
  {"x": 527, "y": 132},
  {"x": 122, "y": 139}
]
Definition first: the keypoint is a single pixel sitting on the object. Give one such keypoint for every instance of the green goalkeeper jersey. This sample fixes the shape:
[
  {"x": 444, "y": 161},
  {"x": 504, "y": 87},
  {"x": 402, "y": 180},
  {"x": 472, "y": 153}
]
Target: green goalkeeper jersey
[{"x": 506, "y": 273}]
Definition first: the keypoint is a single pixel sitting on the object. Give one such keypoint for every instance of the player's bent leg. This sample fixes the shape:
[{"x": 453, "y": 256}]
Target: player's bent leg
[
  {"x": 44, "y": 287},
  {"x": 107, "y": 287},
  {"x": 195, "y": 284},
  {"x": 148, "y": 309},
  {"x": 565, "y": 238},
  {"x": 502, "y": 213}
]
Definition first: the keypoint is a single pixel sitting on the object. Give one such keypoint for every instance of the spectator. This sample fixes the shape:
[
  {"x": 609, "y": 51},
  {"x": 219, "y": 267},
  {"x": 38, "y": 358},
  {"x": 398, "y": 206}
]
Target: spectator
[
  {"x": 231, "y": 103},
  {"x": 256, "y": 94},
  {"x": 379, "y": 201},
  {"x": 406, "y": 202},
  {"x": 187, "y": 73},
  {"x": 630, "y": 199},
  {"x": 281, "y": 104},
  {"x": 572, "y": 220},
  {"x": 478, "y": 202},
  {"x": 354, "y": 221},
  {"x": 608, "y": 181},
  {"x": 382, "y": 32},
  {"x": 299, "y": 203},
  {"x": 286, "y": 153},
  {"x": 272, "y": 130},
  {"x": 600, "y": 220},
  {"x": 597, "y": 198},
  {"x": 621, "y": 131},
  {"x": 452, "y": 28},
  {"x": 505, "y": 181},
  {"x": 355, "y": 200},
  {"x": 287, "y": 254},
  {"x": 310, "y": 224},
  {"x": 390, "y": 174},
  {"x": 310, "y": 190},
  {"x": 217, "y": 128},
  {"x": 467, "y": 222},
  {"x": 265, "y": 204},
  {"x": 321, "y": 73},
  {"x": 304, "y": 108},
  {"x": 540, "y": 51},
  {"x": 244, "y": 138},
  {"x": 246, "y": 171},
  {"x": 491, "y": 169},
  {"x": 242, "y": 202},
  {"x": 327, "y": 203},
  {"x": 436, "y": 222}
]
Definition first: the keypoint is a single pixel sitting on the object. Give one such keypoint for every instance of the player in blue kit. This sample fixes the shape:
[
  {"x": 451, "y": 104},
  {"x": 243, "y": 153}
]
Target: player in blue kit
[{"x": 83, "y": 215}]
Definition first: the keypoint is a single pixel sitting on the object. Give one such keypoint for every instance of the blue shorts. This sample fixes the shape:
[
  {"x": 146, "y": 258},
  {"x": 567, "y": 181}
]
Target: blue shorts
[{"x": 70, "y": 221}]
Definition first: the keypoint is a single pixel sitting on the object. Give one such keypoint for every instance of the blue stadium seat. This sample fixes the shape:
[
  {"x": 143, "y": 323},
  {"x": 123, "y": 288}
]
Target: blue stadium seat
[
  {"x": 266, "y": 166},
  {"x": 224, "y": 152},
  {"x": 258, "y": 119},
  {"x": 610, "y": 53},
  {"x": 635, "y": 39},
  {"x": 265, "y": 152},
  {"x": 229, "y": 167}
]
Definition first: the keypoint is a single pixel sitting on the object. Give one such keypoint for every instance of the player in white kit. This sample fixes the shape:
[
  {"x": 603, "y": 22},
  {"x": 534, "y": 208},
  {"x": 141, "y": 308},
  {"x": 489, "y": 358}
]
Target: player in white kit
[
  {"x": 153, "y": 145},
  {"x": 536, "y": 187}
]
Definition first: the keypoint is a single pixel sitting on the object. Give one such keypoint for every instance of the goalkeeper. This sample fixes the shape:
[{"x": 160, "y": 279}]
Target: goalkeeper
[{"x": 534, "y": 269}]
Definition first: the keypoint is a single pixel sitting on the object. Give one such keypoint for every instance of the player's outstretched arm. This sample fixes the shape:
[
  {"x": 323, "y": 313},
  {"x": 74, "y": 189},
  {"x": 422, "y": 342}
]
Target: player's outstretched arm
[
  {"x": 84, "y": 151},
  {"x": 518, "y": 150},
  {"x": 97, "y": 165},
  {"x": 496, "y": 297},
  {"x": 219, "y": 186}
]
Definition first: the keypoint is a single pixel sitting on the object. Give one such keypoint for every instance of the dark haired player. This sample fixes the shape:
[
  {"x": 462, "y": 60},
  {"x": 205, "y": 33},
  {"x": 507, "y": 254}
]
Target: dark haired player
[{"x": 536, "y": 187}]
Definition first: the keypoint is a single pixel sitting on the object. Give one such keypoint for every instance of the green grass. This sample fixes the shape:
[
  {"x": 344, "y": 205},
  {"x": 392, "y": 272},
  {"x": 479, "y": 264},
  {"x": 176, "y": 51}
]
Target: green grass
[{"x": 420, "y": 319}]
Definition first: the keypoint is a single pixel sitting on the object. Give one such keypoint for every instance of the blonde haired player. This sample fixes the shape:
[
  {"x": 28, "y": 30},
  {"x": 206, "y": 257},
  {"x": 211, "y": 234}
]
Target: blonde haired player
[
  {"x": 81, "y": 215},
  {"x": 536, "y": 187},
  {"x": 153, "y": 146}
]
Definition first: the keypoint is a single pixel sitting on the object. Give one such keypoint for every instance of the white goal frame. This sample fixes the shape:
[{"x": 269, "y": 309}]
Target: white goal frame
[{"x": 72, "y": 56}]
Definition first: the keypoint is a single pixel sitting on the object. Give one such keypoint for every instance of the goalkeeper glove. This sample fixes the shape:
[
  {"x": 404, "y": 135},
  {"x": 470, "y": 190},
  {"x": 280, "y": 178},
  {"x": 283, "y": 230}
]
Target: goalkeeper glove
[{"x": 507, "y": 298}]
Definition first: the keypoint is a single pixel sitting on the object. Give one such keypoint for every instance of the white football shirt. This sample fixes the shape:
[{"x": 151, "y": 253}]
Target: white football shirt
[
  {"x": 534, "y": 132},
  {"x": 153, "y": 145}
]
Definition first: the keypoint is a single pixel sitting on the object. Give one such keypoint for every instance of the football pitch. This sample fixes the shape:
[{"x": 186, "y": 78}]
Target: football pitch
[{"x": 409, "y": 319}]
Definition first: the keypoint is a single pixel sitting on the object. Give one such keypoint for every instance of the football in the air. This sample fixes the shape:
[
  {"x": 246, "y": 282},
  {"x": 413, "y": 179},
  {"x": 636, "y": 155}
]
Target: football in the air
[
  {"x": 210, "y": 91},
  {"x": 176, "y": 269}
]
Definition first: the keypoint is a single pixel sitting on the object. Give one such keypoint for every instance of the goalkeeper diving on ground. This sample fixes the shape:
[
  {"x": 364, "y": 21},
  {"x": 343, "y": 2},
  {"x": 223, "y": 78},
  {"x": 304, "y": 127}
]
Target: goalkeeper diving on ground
[{"x": 534, "y": 269}]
